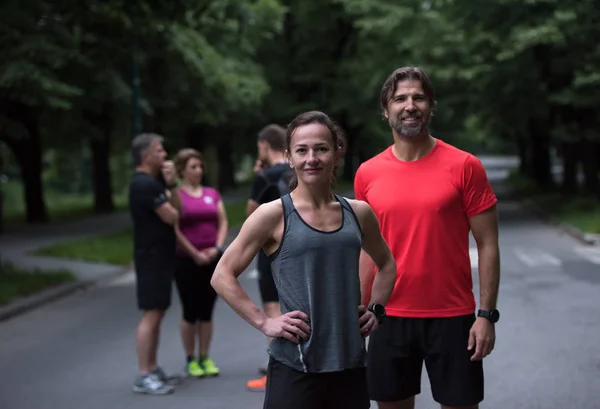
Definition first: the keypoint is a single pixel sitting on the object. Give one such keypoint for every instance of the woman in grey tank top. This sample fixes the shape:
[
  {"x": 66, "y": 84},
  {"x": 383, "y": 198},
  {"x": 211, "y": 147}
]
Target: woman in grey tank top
[{"x": 314, "y": 240}]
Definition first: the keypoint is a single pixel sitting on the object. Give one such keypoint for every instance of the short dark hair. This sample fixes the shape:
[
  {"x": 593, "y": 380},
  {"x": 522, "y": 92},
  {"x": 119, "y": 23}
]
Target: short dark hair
[
  {"x": 403, "y": 74},
  {"x": 140, "y": 144},
  {"x": 316, "y": 117},
  {"x": 274, "y": 135}
]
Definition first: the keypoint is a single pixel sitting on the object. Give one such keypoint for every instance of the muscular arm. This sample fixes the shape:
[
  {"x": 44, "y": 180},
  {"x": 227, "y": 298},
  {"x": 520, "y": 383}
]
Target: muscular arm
[
  {"x": 366, "y": 269},
  {"x": 485, "y": 231},
  {"x": 255, "y": 232},
  {"x": 251, "y": 206},
  {"x": 375, "y": 253}
]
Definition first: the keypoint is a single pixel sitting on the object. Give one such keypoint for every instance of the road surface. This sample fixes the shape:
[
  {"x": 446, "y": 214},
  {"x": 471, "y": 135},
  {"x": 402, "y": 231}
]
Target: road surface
[{"x": 79, "y": 353}]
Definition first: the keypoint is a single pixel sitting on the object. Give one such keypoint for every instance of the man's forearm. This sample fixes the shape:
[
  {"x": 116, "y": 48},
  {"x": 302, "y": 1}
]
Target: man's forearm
[
  {"x": 489, "y": 276},
  {"x": 175, "y": 199}
]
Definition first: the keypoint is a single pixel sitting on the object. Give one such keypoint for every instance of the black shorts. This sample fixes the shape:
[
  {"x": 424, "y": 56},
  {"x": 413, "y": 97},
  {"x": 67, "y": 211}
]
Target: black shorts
[
  {"x": 291, "y": 389},
  {"x": 399, "y": 347},
  {"x": 153, "y": 286},
  {"x": 266, "y": 284}
]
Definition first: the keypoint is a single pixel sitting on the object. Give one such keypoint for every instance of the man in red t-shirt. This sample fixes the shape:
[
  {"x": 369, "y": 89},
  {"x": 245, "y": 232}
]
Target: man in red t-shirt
[{"x": 427, "y": 196}]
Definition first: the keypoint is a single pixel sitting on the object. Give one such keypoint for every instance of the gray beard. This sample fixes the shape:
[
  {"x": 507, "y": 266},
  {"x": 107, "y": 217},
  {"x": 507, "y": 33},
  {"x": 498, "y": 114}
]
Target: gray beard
[{"x": 408, "y": 131}]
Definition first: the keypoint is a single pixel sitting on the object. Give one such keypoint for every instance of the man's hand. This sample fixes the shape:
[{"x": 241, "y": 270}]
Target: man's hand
[
  {"x": 169, "y": 172},
  {"x": 291, "y": 326},
  {"x": 258, "y": 166},
  {"x": 482, "y": 337},
  {"x": 367, "y": 321}
]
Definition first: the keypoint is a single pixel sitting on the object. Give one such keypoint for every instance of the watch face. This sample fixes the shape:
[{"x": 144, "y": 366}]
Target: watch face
[{"x": 379, "y": 310}]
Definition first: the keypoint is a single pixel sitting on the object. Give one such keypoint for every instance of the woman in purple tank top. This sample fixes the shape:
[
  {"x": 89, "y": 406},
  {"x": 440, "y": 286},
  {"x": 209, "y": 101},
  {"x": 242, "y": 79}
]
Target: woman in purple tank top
[{"x": 201, "y": 234}]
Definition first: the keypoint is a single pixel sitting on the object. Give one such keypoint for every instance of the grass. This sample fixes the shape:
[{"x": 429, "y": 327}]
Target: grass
[
  {"x": 16, "y": 283},
  {"x": 117, "y": 248},
  {"x": 61, "y": 206},
  {"x": 580, "y": 211}
]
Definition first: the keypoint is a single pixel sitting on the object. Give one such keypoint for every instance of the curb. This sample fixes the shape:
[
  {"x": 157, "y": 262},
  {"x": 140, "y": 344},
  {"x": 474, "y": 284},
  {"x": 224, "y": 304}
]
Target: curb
[
  {"x": 26, "y": 304},
  {"x": 585, "y": 238}
]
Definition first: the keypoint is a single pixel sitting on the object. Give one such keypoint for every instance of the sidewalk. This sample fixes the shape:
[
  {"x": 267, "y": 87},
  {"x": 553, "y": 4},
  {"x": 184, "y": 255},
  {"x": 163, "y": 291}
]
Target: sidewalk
[{"x": 17, "y": 242}]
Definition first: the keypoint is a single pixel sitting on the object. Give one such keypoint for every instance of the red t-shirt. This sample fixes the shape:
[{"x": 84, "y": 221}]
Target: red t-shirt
[{"x": 423, "y": 209}]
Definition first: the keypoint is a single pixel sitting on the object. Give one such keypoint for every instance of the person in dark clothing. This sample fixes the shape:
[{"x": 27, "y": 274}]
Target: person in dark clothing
[
  {"x": 271, "y": 182},
  {"x": 153, "y": 206}
]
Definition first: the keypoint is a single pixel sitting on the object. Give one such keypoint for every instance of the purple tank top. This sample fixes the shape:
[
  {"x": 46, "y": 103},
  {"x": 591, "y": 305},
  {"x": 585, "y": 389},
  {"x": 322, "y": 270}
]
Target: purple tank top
[{"x": 199, "y": 220}]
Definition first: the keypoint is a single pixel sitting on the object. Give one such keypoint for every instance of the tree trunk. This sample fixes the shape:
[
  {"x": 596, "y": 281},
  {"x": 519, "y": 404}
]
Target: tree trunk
[
  {"x": 226, "y": 167},
  {"x": 100, "y": 147},
  {"x": 540, "y": 154},
  {"x": 28, "y": 153},
  {"x": 524, "y": 157},
  {"x": 570, "y": 159},
  {"x": 590, "y": 168}
]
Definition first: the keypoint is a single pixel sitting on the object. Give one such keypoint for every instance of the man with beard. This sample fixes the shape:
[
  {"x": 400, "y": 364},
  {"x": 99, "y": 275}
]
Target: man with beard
[
  {"x": 271, "y": 182},
  {"x": 427, "y": 196}
]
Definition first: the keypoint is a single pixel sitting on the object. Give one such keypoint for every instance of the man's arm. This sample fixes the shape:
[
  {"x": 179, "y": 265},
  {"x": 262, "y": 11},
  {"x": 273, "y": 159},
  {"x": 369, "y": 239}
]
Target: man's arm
[
  {"x": 485, "y": 231},
  {"x": 254, "y": 233},
  {"x": 379, "y": 254},
  {"x": 258, "y": 188}
]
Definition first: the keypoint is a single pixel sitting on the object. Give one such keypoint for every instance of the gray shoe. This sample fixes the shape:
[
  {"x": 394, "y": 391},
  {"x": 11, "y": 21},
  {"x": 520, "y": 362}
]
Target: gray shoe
[
  {"x": 172, "y": 379},
  {"x": 151, "y": 385}
]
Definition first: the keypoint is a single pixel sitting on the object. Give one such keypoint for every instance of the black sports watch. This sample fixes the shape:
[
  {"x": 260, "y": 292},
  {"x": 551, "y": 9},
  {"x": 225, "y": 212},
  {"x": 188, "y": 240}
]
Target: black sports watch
[
  {"x": 492, "y": 315},
  {"x": 378, "y": 310}
]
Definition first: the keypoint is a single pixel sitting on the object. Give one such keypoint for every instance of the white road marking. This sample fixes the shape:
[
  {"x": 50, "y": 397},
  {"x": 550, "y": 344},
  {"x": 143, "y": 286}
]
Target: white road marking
[
  {"x": 536, "y": 257},
  {"x": 592, "y": 254}
]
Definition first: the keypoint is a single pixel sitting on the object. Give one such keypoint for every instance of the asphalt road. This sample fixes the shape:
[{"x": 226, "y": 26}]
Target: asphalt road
[{"x": 78, "y": 352}]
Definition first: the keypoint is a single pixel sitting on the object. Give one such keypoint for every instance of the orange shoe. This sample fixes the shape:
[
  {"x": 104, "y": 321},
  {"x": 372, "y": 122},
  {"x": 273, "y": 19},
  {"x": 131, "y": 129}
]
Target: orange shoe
[{"x": 257, "y": 385}]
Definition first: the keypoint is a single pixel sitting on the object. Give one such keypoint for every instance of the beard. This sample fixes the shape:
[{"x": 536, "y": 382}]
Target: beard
[{"x": 409, "y": 130}]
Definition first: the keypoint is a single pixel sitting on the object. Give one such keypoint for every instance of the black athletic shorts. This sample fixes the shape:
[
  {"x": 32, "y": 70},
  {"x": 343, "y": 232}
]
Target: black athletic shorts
[
  {"x": 153, "y": 286},
  {"x": 397, "y": 351},
  {"x": 291, "y": 389},
  {"x": 266, "y": 284}
]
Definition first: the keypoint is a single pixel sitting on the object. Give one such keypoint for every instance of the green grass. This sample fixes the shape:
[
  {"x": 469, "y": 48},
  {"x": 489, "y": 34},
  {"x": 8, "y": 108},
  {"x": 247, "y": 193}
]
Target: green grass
[
  {"x": 16, "y": 283},
  {"x": 117, "y": 248},
  {"x": 580, "y": 211},
  {"x": 61, "y": 206}
]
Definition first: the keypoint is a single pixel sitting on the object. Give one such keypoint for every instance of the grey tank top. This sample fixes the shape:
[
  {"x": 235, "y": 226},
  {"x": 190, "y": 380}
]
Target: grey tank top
[{"x": 317, "y": 273}]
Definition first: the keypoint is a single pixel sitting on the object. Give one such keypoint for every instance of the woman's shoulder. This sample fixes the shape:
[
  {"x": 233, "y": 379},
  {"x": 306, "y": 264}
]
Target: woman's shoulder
[{"x": 211, "y": 191}]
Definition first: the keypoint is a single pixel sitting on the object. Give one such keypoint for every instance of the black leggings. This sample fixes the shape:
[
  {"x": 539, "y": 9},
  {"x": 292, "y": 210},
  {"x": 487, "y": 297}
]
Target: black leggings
[{"x": 195, "y": 292}]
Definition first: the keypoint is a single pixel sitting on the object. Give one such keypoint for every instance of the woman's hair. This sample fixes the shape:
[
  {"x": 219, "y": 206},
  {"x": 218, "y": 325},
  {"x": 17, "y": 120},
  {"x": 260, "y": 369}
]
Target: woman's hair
[
  {"x": 316, "y": 117},
  {"x": 183, "y": 157}
]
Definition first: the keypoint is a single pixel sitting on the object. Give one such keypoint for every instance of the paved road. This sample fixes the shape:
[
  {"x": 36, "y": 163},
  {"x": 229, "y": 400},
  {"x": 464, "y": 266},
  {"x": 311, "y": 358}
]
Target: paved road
[{"x": 79, "y": 353}]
